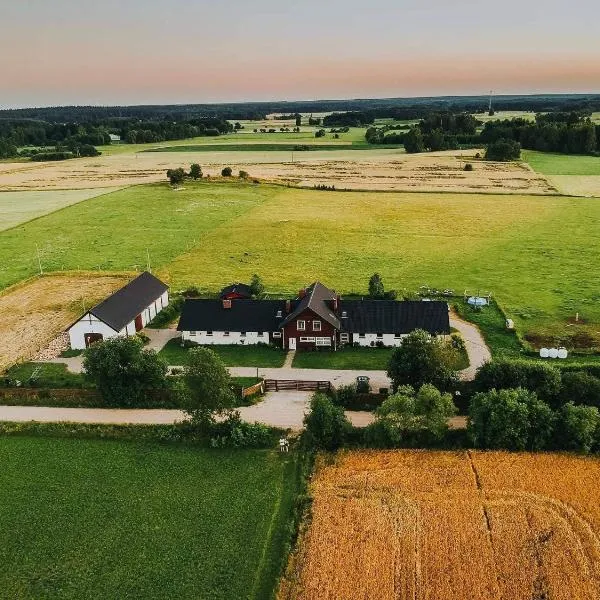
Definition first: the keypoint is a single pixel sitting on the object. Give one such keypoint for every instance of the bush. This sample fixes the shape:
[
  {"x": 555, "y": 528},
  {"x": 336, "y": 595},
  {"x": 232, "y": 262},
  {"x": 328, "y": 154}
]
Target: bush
[
  {"x": 327, "y": 428},
  {"x": 243, "y": 175},
  {"x": 510, "y": 419},
  {"x": 168, "y": 314},
  {"x": 226, "y": 172},
  {"x": 42, "y": 156},
  {"x": 176, "y": 176},
  {"x": 345, "y": 395},
  {"x": 503, "y": 150},
  {"x": 578, "y": 428},
  {"x": 541, "y": 378},
  {"x": 235, "y": 433},
  {"x": 468, "y": 167},
  {"x": 580, "y": 387}
]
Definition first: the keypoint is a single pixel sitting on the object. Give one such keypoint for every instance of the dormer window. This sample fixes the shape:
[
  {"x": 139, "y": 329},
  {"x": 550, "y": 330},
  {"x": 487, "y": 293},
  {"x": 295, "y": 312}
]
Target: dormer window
[
  {"x": 316, "y": 325},
  {"x": 344, "y": 314},
  {"x": 301, "y": 325},
  {"x": 279, "y": 314}
]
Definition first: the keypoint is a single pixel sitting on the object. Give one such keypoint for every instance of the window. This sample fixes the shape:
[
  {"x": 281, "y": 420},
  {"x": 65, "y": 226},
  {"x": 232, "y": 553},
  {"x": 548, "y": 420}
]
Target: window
[
  {"x": 192, "y": 334},
  {"x": 344, "y": 337},
  {"x": 344, "y": 314},
  {"x": 316, "y": 325},
  {"x": 209, "y": 333},
  {"x": 361, "y": 335},
  {"x": 380, "y": 335},
  {"x": 397, "y": 335},
  {"x": 307, "y": 339},
  {"x": 301, "y": 325},
  {"x": 261, "y": 333},
  {"x": 277, "y": 334},
  {"x": 279, "y": 314},
  {"x": 323, "y": 341},
  {"x": 242, "y": 334},
  {"x": 226, "y": 333}
]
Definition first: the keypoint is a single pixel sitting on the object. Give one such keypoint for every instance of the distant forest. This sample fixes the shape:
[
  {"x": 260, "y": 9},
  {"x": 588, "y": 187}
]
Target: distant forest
[{"x": 77, "y": 130}]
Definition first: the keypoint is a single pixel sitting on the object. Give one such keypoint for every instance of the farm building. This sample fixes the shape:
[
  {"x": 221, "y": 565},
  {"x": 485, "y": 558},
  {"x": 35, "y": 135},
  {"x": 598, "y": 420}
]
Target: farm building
[
  {"x": 123, "y": 313},
  {"x": 317, "y": 318},
  {"x": 236, "y": 291}
]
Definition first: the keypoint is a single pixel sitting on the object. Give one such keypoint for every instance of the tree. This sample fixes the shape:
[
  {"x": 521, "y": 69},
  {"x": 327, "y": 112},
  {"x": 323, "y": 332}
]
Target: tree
[
  {"x": 578, "y": 427},
  {"x": 503, "y": 150},
  {"x": 421, "y": 359},
  {"x": 512, "y": 419},
  {"x": 376, "y": 289},
  {"x": 195, "y": 171},
  {"x": 207, "y": 386},
  {"x": 123, "y": 371},
  {"x": 243, "y": 174},
  {"x": 409, "y": 418},
  {"x": 298, "y": 119},
  {"x": 580, "y": 388},
  {"x": 413, "y": 141},
  {"x": 320, "y": 133},
  {"x": 226, "y": 172},
  {"x": 326, "y": 424},
  {"x": 176, "y": 176},
  {"x": 257, "y": 287}
]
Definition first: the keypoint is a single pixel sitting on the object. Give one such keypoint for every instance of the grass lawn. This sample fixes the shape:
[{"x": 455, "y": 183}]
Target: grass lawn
[
  {"x": 368, "y": 359},
  {"x": 106, "y": 519},
  {"x": 46, "y": 375},
  {"x": 549, "y": 163},
  {"x": 232, "y": 356},
  {"x": 535, "y": 254}
]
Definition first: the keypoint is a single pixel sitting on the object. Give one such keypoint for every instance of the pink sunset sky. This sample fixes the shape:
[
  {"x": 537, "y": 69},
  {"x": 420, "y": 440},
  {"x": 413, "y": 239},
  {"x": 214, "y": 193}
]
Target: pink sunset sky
[{"x": 184, "y": 51}]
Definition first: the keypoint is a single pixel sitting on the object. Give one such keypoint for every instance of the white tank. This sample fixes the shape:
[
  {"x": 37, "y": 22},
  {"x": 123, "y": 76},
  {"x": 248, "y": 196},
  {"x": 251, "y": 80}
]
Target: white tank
[
  {"x": 553, "y": 353},
  {"x": 544, "y": 353},
  {"x": 562, "y": 353}
]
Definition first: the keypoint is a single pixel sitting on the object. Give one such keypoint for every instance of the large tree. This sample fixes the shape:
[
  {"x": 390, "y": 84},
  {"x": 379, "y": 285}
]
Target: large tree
[
  {"x": 195, "y": 171},
  {"x": 123, "y": 371},
  {"x": 257, "y": 287},
  {"x": 423, "y": 358},
  {"x": 376, "y": 289},
  {"x": 326, "y": 424},
  {"x": 413, "y": 141},
  {"x": 207, "y": 386}
]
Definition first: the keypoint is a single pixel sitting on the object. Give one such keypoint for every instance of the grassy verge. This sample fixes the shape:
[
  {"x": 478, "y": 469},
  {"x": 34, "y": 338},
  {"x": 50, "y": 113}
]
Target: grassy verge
[
  {"x": 114, "y": 519},
  {"x": 368, "y": 359},
  {"x": 232, "y": 356},
  {"x": 46, "y": 375}
]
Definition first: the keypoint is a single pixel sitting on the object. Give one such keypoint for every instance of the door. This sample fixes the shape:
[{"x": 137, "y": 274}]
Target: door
[
  {"x": 292, "y": 343},
  {"x": 138, "y": 323},
  {"x": 91, "y": 338}
]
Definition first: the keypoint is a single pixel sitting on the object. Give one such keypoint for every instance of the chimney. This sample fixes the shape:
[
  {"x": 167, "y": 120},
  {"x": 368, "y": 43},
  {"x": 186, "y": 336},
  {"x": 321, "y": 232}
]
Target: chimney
[
  {"x": 336, "y": 303},
  {"x": 302, "y": 293},
  {"x": 226, "y": 303},
  {"x": 288, "y": 306}
]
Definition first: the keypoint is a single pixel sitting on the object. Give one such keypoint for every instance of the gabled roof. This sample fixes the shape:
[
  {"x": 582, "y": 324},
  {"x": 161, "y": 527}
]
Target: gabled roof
[
  {"x": 317, "y": 299},
  {"x": 244, "y": 315},
  {"x": 237, "y": 288},
  {"x": 389, "y": 316},
  {"x": 127, "y": 303}
]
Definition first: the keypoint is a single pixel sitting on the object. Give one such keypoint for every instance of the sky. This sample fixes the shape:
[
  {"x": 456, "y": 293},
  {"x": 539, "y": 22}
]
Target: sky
[{"x": 107, "y": 52}]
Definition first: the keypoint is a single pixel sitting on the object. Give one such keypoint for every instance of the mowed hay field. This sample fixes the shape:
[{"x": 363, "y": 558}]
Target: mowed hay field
[
  {"x": 34, "y": 312},
  {"x": 535, "y": 254},
  {"x": 372, "y": 169},
  {"x": 450, "y": 526},
  {"x": 20, "y": 207},
  {"x": 91, "y": 519}
]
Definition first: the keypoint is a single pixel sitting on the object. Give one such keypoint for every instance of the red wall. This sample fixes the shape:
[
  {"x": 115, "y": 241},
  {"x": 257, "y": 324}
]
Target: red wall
[{"x": 290, "y": 330}]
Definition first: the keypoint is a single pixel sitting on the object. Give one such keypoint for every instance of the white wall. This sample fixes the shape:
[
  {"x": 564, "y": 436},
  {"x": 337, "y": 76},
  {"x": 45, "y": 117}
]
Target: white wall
[
  {"x": 388, "y": 339},
  {"x": 88, "y": 324},
  {"x": 219, "y": 338}
]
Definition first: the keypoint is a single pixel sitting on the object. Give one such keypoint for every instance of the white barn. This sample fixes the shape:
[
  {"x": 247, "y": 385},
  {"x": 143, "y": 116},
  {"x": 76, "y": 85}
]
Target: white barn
[{"x": 124, "y": 313}]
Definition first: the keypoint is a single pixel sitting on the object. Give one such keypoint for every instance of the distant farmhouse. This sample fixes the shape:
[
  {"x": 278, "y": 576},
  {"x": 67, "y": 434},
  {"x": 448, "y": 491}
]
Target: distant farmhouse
[
  {"x": 317, "y": 318},
  {"x": 123, "y": 313},
  {"x": 236, "y": 291}
]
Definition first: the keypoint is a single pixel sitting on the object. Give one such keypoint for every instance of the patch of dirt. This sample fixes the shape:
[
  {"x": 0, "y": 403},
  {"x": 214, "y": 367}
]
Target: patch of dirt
[{"x": 36, "y": 311}]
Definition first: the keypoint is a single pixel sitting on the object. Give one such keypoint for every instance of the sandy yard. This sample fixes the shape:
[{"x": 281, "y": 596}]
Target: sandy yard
[
  {"x": 346, "y": 169},
  {"x": 34, "y": 312}
]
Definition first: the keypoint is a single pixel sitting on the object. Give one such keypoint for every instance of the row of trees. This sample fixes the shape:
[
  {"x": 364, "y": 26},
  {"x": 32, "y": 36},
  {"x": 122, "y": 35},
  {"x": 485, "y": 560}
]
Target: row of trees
[{"x": 179, "y": 175}]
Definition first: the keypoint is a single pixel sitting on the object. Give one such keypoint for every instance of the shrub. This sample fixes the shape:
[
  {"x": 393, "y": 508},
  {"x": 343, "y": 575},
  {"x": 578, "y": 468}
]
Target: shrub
[
  {"x": 168, "y": 314},
  {"x": 235, "y": 433},
  {"x": 326, "y": 425},
  {"x": 580, "y": 387},
  {"x": 176, "y": 176},
  {"x": 503, "y": 150},
  {"x": 226, "y": 172},
  {"x": 195, "y": 171},
  {"x": 468, "y": 167},
  {"x": 243, "y": 175},
  {"x": 577, "y": 428},
  {"x": 511, "y": 419},
  {"x": 541, "y": 378},
  {"x": 345, "y": 395}
]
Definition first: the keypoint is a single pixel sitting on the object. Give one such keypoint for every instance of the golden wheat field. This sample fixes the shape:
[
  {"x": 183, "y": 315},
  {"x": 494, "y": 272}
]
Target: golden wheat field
[{"x": 450, "y": 526}]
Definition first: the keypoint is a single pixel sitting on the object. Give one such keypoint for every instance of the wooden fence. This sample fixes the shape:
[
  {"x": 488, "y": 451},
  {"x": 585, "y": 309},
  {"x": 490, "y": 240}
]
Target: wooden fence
[
  {"x": 280, "y": 385},
  {"x": 257, "y": 388}
]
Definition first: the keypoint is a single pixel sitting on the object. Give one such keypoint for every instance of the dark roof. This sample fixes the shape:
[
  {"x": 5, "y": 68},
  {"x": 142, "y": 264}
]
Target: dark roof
[
  {"x": 318, "y": 298},
  {"x": 128, "y": 302},
  {"x": 244, "y": 315},
  {"x": 237, "y": 288},
  {"x": 389, "y": 316}
]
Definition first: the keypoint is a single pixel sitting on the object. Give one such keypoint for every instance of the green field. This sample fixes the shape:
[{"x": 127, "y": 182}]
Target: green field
[
  {"x": 535, "y": 254},
  {"x": 20, "y": 207},
  {"x": 548, "y": 163},
  {"x": 232, "y": 356},
  {"x": 106, "y": 519}
]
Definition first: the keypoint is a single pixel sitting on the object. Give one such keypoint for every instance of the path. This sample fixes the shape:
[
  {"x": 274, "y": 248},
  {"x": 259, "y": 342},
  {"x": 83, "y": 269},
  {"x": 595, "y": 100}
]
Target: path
[
  {"x": 289, "y": 359},
  {"x": 477, "y": 350},
  {"x": 278, "y": 409}
]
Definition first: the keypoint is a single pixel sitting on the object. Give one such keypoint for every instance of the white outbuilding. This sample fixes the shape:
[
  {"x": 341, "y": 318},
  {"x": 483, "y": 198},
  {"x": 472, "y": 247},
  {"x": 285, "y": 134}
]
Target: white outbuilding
[{"x": 124, "y": 313}]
